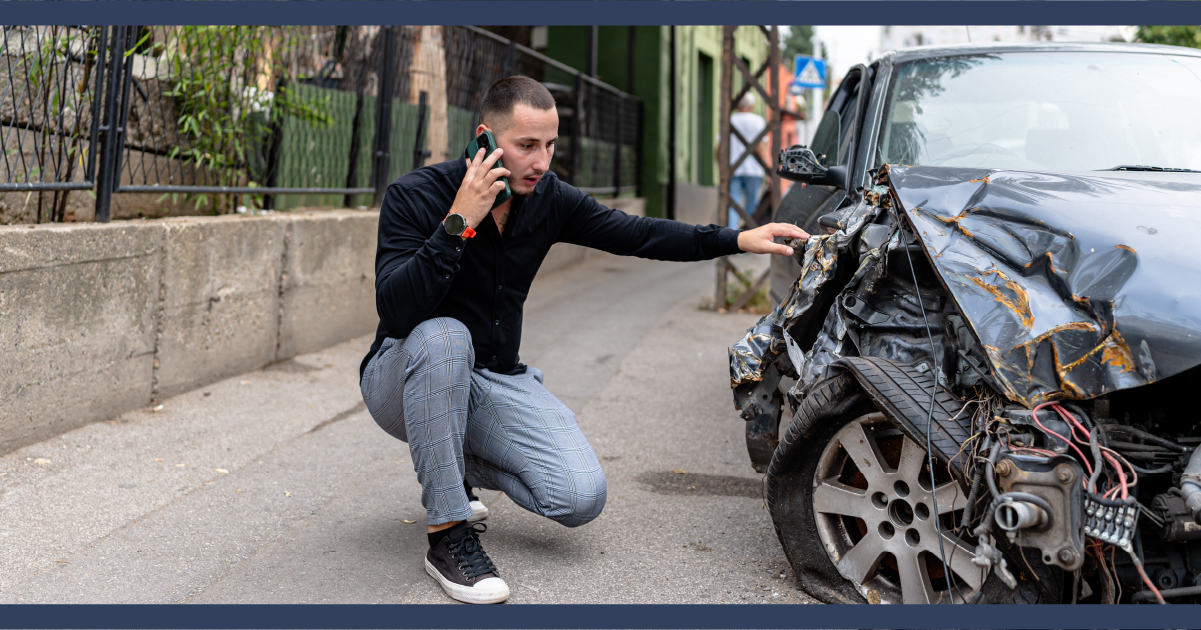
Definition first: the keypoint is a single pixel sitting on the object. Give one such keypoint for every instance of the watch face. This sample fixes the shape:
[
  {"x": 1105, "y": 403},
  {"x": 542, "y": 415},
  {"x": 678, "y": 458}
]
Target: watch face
[{"x": 455, "y": 224}]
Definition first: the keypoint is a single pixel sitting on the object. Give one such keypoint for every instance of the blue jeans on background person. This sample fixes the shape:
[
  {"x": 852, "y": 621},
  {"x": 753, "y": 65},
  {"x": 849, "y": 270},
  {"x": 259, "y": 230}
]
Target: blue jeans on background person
[{"x": 744, "y": 189}]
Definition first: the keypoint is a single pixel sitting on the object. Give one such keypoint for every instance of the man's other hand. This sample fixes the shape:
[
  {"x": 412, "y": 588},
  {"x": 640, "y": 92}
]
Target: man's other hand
[
  {"x": 761, "y": 240},
  {"x": 480, "y": 187}
]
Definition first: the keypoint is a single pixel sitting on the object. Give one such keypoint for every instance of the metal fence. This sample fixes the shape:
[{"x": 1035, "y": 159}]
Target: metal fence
[
  {"x": 225, "y": 116},
  {"x": 51, "y": 82},
  {"x": 600, "y": 127}
]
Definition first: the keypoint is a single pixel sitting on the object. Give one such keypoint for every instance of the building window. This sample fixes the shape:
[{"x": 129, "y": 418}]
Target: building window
[
  {"x": 705, "y": 113},
  {"x": 538, "y": 38}
]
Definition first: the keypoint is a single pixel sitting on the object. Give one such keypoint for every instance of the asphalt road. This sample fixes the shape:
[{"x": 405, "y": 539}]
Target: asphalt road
[{"x": 278, "y": 487}]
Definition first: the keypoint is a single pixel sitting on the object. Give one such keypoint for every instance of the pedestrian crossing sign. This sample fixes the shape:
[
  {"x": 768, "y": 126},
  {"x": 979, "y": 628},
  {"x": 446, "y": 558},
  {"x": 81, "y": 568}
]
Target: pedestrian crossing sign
[{"x": 810, "y": 72}]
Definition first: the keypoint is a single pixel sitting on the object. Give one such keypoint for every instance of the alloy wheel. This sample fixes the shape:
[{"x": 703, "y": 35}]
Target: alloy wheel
[{"x": 875, "y": 517}]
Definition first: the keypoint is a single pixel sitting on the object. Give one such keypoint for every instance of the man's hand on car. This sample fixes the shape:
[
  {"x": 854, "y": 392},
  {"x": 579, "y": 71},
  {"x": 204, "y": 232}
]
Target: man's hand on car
[
  {"x": 480, "y": 187},
  {"x": 761, "y": 240}
]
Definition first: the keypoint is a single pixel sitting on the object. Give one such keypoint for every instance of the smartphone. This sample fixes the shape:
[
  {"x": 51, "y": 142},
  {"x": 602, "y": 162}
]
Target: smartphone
[{"x": 488, "y": 142}]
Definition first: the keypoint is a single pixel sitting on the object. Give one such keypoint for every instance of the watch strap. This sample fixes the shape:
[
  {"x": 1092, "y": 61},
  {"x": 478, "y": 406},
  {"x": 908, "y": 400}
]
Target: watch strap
[{"x": 468, "y": 232}]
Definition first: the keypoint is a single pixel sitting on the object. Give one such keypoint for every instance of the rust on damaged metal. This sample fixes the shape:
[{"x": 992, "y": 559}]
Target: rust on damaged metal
[{"x": 1069, "y": 291}]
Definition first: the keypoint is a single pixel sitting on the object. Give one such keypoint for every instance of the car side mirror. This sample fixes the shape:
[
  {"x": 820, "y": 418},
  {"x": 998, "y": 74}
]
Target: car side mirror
[{"x": 798, "y": 163}]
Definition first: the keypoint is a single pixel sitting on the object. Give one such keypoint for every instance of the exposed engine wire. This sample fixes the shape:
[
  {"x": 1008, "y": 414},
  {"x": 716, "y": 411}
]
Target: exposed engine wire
[
  {"x": 1138, "y": 545},
  {"x": 942, "y": 553},
  {"x": 1107, "y": 461},
  {"x": 1113, "y": 564},
  {"x": 1138, "y": 565},
  {"x": 1067, "y": 441}
]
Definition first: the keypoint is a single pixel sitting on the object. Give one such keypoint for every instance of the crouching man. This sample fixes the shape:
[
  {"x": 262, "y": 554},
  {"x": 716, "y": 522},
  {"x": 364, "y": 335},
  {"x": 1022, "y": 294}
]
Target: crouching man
[{"x": 452, "y": 275}]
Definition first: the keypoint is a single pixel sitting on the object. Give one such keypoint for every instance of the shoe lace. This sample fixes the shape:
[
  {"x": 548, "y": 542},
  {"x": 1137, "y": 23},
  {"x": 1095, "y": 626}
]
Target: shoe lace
[{"x": 472, "y": 560}]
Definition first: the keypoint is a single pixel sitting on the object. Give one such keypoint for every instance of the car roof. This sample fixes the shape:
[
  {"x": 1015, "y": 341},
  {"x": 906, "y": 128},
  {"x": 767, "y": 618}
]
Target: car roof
[{"x": 930, "y": 52}]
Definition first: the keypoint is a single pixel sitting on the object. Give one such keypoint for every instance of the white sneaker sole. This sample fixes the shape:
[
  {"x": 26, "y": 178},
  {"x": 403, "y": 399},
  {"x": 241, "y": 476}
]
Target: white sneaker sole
[
  {"x": 487, "y": 591},
  {"x": 478, "y": 512}
]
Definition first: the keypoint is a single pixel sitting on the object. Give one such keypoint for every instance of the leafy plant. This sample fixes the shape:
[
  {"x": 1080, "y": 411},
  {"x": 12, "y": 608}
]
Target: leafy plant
[
  {"x": 799, "y": 41},
  {"x": 1174, "y": 35},
  {"x": 759, "y": 303},
  {"x": 231, "y": 97}
]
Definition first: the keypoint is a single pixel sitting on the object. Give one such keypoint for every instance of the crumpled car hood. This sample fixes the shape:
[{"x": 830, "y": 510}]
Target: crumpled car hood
[{"x": 1075, "y": 284}]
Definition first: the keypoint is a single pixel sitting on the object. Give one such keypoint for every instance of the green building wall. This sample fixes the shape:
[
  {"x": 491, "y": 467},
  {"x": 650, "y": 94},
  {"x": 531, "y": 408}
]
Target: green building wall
[{"x": 698, "y": 85}]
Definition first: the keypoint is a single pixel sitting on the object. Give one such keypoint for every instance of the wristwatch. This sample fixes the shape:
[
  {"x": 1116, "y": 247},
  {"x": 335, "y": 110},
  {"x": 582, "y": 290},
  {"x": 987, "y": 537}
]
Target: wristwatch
[{"x": 456, "y": 225}]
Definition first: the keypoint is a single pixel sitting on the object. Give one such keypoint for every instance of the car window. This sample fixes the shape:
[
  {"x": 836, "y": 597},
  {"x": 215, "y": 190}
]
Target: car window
[
  {"x": 1045, "y": 111},
  {"x": 833, "y": 135},
  {"x": 846, "y": 126},
  {"x": 825, "y": 138}
]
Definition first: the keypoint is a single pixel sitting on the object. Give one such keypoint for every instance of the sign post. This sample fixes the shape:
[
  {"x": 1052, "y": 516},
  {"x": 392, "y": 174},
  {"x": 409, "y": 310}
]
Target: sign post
[{"x": 809, "y": 73}]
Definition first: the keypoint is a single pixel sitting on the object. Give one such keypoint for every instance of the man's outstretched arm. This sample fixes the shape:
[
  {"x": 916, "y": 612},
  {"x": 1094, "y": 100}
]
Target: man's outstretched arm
[
  {"x": 593, "y": 225},
  {"x": 761, "y": 240}
]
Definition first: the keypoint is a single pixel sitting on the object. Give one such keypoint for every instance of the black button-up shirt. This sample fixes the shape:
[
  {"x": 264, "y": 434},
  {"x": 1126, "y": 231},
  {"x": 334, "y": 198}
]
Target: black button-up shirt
[{"x": 421, "y": 272}]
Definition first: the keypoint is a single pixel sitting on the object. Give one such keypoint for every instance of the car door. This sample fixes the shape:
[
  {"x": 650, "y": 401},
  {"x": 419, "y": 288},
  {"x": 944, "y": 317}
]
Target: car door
[{"x": 836, "y": 139}]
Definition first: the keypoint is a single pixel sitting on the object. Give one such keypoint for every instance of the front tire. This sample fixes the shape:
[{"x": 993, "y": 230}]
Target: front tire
[{"x": 850, "y": 498}]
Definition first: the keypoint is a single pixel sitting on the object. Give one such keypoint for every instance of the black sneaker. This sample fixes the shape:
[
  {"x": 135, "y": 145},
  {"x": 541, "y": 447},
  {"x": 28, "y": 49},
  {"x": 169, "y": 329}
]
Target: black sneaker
[
  {"x": 463, "y": 568},
  {"x": 478, "y": 511}
]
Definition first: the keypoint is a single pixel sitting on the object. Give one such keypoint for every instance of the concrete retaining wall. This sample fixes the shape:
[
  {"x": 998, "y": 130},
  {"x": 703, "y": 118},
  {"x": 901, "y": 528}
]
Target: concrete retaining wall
[
  {"x": 96, "y": 320},
  {"x": 219, "y": 300},
  {"x": 696, "y": 204},
  {"x": 77, "y": 325},
  {"x": 328, "y": 289}
]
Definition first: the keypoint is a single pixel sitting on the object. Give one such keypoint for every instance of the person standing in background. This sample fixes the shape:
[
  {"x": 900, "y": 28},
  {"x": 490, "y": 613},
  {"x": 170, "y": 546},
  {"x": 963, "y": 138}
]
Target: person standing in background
[{"x": 748, "y": 177}]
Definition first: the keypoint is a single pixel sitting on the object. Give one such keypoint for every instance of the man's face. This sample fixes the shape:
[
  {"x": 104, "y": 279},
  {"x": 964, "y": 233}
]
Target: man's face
[{"x": 528, "y": 139}]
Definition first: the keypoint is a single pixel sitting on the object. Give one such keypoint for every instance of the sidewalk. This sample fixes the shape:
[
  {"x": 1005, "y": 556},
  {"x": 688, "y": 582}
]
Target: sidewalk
[{"x": 277, "y": 487}]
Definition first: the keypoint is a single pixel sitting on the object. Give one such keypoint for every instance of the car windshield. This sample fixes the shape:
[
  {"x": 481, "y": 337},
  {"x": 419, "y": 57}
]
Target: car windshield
[{"x": 1068, "y": 111}]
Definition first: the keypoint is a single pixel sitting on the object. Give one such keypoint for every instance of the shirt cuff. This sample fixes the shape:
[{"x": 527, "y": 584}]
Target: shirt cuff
[
  {"x": 447, "y": 245},
  {"x": 727, "y": 241}
]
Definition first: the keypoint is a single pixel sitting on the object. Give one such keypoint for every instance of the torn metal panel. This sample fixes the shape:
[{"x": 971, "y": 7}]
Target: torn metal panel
[
  {"x": 1075, "y": 284},
  {"x": 765, "y": 341}
]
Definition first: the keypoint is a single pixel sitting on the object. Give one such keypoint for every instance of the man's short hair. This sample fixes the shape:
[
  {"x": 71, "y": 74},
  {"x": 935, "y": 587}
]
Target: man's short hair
[
  {"x": 505, "y": 94},
  {"x": 747, "y": 101}
]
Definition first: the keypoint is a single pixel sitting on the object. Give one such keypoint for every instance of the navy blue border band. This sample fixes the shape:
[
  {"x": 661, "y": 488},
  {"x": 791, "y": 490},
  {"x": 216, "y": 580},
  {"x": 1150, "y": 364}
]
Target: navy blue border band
[
  {"x": 620, "y": 12},
  {"x": 595, "y": 616}
]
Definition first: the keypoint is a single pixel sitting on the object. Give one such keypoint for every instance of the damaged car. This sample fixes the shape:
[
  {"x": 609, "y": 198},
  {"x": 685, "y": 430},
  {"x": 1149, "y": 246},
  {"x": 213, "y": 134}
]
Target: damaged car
[{"x": 979, "y": 382}]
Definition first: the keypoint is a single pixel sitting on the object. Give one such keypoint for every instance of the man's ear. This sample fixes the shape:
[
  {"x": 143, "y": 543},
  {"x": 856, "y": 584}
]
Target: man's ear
[{"x": 481, "y": 129}]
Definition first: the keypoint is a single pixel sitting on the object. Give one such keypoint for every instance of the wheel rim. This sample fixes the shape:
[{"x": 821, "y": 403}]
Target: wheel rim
[{"x": 875, "y": 517}]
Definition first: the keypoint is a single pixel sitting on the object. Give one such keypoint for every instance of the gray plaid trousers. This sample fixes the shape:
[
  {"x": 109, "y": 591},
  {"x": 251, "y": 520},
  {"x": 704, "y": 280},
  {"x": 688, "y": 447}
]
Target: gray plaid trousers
[{"x": 498, "y": 432}]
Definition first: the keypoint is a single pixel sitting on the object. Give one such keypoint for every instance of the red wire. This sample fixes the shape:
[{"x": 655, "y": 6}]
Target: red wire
[
  {"x": 1147, "y": 581},
  {"x": 1121, "y": 473},
  {"x": 1074, "y": 424},
  {"x": 1133, "y": 475},
  {"x": 1105, "y": 452},
  {"x": 1096, "y": 549},
  {"x": 1083, "y": 459}
]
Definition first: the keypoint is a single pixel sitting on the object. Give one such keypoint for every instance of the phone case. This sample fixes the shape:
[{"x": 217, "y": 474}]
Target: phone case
[{"x": 488, "y": 142}]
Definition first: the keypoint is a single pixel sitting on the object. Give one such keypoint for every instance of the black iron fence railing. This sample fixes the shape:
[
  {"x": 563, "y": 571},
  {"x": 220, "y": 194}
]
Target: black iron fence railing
[
  {"x": 51, "y": 81},
  {"x": 216, "y": 117},
  {"x": 600, "y": 127}
]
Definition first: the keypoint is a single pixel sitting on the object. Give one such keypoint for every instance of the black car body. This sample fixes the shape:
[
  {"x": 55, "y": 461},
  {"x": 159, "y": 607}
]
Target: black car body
[{"x": 990, "y": 347}]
